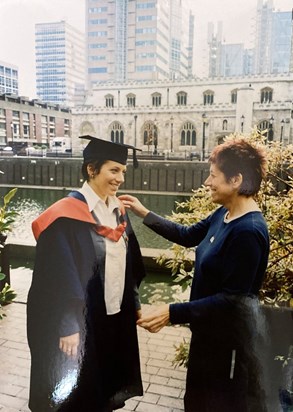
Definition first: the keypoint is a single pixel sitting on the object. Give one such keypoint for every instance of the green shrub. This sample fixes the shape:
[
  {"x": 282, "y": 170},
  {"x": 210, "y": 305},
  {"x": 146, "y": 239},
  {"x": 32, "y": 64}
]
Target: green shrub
[{"x": 7, "y": 217}]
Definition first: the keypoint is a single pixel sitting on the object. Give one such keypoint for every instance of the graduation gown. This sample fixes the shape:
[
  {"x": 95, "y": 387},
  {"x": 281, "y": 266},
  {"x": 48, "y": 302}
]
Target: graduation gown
[{"x": 66, "y": 297}]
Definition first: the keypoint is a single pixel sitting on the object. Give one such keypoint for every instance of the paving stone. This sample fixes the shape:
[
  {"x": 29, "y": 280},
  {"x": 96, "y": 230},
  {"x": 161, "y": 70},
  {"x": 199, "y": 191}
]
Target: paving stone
[
  {"x": 172, "y": 373},
  {"x": 159, "y": 363},
  {"x": 163, "y": 384},
  {"x": 171, "y": 402},
  {"x": 16, "y": 345},
  {"x": 161, "y": 380},
  {"x": 152, "y": 370},
  {"x": 130, "y": 405},
  {"x": 164, "y": 390},
  {"x": 149, "y": 398},
  {"x": 11, "y": 401},
  {"x": 149, "y": 407},
  {"x": 177, "y": 383},
  {"x": 10, "y": 389}
]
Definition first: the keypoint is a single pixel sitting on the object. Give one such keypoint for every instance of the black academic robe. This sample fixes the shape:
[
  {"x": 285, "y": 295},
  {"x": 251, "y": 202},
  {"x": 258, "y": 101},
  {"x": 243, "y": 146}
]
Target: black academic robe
[{"x": 66, "y": 297}]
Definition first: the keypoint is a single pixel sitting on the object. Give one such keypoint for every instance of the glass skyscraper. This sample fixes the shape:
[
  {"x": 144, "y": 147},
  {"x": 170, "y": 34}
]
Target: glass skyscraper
[
  {"x": 8, "y": 78},
  {"x": 273, "y": 39},
  {"x": 60, "y": 63}
]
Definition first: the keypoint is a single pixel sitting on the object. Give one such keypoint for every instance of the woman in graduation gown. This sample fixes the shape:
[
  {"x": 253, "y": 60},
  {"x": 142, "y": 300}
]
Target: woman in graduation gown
[{"x": 83, "y": 301}]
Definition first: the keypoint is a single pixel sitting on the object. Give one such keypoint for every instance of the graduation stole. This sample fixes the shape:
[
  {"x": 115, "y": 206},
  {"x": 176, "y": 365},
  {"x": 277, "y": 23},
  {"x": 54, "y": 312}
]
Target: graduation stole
[
  {"x": 75, "y": 207},
  {"x": 108, "y": 232}
]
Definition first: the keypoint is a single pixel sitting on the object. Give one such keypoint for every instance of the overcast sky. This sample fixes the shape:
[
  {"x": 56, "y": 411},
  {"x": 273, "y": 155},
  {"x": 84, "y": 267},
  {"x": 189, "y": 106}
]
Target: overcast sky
[{"x": 18, "y": 18}]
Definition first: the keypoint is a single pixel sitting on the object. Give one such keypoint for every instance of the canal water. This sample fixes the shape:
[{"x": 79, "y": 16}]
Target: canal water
[{"x": 29, "y": 203}]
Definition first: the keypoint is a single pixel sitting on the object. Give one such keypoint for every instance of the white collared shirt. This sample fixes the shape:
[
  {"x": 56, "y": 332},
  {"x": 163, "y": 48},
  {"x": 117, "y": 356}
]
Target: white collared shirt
[{"x": 115, "y": 261}]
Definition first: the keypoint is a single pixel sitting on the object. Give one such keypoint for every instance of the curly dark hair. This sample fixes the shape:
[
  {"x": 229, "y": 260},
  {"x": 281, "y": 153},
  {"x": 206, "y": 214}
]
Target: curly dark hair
[
  {"x": 96, "y": 166},
  {"x": 238, "y": 156}
]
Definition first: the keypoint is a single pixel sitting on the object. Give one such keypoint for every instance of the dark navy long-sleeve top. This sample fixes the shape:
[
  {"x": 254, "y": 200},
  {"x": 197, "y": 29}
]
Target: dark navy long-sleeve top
[{"x": 231, "y": 259}]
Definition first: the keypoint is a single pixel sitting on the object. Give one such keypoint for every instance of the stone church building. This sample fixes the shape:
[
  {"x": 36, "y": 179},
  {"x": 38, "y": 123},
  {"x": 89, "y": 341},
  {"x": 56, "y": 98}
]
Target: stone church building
[{"x": 188, "y": 117}]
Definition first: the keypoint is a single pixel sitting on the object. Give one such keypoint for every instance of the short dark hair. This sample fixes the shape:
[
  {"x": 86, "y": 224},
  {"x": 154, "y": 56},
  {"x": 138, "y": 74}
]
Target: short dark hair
[
  {"x": 96, "y": 165},
  {"x": 239, "y": 156}
]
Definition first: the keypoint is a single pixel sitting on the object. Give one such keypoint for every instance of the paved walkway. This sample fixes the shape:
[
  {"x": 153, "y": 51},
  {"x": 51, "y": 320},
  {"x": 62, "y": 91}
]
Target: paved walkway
[{"x": 163, "y": 384}]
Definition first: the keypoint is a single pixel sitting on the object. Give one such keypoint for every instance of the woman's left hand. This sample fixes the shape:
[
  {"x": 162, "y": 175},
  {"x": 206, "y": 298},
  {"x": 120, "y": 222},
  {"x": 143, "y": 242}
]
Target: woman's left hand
[
  {"x": 69, "y": 344},
  {"x": 155, "y": 320}
]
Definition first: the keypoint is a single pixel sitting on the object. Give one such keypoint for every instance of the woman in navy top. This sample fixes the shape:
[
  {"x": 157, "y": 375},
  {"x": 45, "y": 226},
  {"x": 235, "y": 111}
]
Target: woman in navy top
[{"x": 232, "y": 248}]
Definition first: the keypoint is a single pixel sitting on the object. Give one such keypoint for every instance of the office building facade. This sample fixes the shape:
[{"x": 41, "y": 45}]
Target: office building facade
[
  {"x": 273, "y": 39},
  {"x": 8, "y": 78},
  {"x": 138, "y": 40},
  {"x": 25, "y": 122},
  {"x": 271, "y": 52},
  {"x": 60, "y": 63}
]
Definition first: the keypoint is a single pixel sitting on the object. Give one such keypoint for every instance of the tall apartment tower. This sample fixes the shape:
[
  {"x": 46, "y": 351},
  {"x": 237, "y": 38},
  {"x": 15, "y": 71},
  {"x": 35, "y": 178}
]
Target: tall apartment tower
[
  {"x": 8, "y": 78},
  {"x": 138, "y": 40},
  {"x": 190, "y": 45},
  {"x": 215, "y": 48},
  {"x": 60, "y": 63},
  {"x": 273, "y": 39}
]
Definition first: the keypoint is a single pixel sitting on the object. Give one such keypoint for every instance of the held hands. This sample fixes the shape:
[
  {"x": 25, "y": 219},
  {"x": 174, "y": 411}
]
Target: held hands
[
  {"x": 156, "y": 319},
  {"x": 69, "y": 344},
  {"x": 132, "y": 203}
]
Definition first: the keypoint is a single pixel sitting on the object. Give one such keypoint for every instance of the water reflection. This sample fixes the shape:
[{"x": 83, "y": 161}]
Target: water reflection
[
  {"x": 156, "y": 288},
  {"x": 159, "y": 288},
  {"x": 29, "y": 203}
]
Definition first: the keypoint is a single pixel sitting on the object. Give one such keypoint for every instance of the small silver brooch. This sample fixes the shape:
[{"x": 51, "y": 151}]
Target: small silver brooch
[{"x": 212, "y": 239}]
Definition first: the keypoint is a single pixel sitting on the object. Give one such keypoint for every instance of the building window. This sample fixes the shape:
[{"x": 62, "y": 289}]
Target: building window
[
  {"x": 44, "y": 126},
  {"x": 97, "y": 70},
  {"x": 26, "y": 130},
  {"x": 234, "y": 96},
  {"x": 97, "y": 10},
  {"x": 15, "y": 114},
  {"x": 156, "y": 99},
  {"x": 188, "y": 135},
  {"x": 266, "y": 95},
  {"x": 266, "y": 127},
  {"x": 130, "y": 100},
  {"x": 181, "y": 99},
  {"x": 208, "y": 97},
  {"x": 98, "y": 33},
  {"x": 117, "y": 133},
  {"x": 96, "y": 58},
  {"x": 97, "y": 45},
  {"x": 146, "y": 5},
  {"x": 150, "y": 136},
  {"x": 109, "y": 100},
  {"x": 225, "y": 125}
]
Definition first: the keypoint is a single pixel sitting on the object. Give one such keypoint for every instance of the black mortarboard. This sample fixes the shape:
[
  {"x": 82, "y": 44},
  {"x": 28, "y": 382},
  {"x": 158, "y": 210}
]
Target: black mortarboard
[{"x": 99, "y": 149}]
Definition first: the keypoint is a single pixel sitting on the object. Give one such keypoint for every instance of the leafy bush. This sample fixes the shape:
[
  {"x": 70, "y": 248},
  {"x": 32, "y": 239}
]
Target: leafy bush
[
  {"x": 7, "y": 217},
  {"x": 7, "y": 295}
]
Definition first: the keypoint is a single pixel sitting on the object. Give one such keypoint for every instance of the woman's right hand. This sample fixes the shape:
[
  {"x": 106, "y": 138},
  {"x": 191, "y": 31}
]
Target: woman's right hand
[
  {"x": 69, "y": 344},
  {"x": 132, "y": 203}
]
